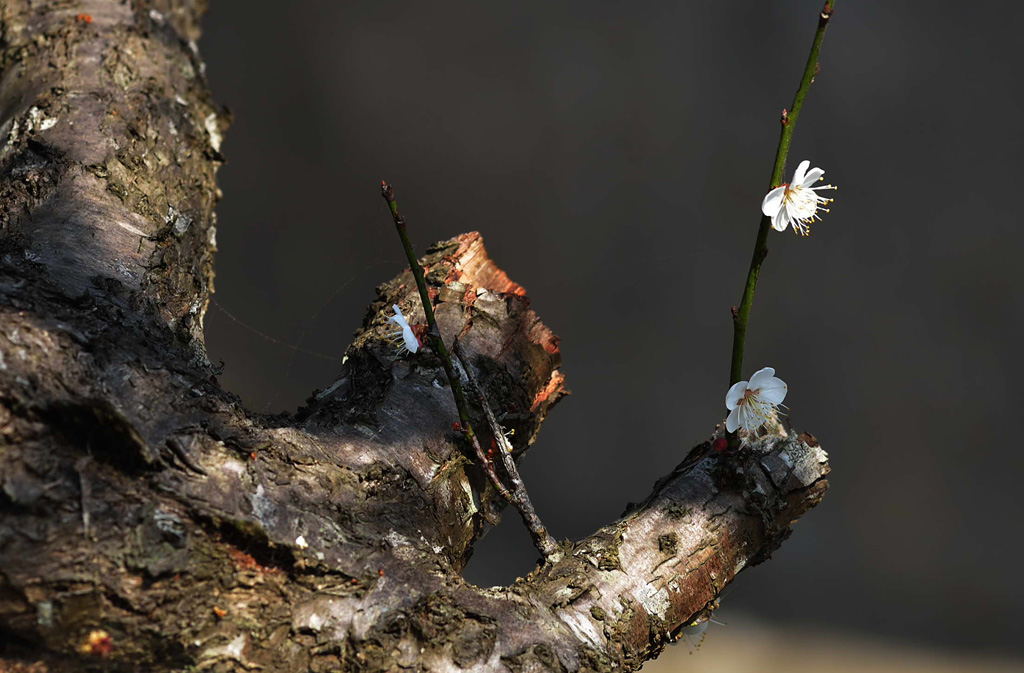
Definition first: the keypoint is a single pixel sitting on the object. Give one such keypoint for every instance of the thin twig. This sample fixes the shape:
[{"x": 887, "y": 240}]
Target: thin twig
[
  {"x": 741, "y": 315},
  {"x": 520, "y": 498},
  {"x": 438, "y": 344}
]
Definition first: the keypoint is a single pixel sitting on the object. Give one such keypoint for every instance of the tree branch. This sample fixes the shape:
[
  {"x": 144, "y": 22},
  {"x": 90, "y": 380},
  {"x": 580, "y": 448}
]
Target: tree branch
[{"x": 149, "y": 522}]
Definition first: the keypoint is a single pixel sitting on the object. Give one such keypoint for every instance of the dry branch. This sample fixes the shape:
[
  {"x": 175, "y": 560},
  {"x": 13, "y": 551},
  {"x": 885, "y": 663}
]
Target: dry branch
[{"x": 140, "y": 500}]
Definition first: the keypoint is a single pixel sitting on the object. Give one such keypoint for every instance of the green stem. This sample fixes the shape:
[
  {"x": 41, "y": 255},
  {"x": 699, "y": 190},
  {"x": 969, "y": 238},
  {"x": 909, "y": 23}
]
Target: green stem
[
  {"x": 428, "y": 309},
  {"x": 741, "y": 315},
  {"x": 517, "y": 496},
  {"x": 437, "y": 343}
]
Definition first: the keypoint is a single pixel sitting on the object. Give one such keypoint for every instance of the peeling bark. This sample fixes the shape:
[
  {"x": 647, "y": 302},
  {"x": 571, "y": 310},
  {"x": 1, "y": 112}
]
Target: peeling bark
[{"x": 149, "y": 522}]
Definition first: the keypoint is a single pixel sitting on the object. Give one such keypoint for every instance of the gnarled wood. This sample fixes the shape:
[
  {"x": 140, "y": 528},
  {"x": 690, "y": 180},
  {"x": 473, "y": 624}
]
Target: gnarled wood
[{"x": 149, "y": 522}]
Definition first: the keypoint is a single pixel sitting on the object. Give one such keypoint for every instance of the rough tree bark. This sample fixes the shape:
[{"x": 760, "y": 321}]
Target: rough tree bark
[{"x": 149, "y": 522}]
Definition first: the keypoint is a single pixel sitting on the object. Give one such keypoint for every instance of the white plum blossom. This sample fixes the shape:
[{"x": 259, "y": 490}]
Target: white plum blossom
[
  {"x": 752, "y": 404},
  {"x": 797, "y": 203},
  {"x": 409, "y": 340}
]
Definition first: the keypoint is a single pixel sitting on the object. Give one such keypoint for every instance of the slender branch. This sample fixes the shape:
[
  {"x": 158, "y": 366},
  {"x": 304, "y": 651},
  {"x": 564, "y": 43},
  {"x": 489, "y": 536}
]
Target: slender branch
[
  {"x": 741, "y": 315},
  {"x": 438, "y": 344},
  {"x": 520, "y": 498}
]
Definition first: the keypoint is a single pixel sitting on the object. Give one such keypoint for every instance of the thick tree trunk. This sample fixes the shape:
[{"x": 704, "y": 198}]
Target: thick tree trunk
[{"x": 149, "y": 522}]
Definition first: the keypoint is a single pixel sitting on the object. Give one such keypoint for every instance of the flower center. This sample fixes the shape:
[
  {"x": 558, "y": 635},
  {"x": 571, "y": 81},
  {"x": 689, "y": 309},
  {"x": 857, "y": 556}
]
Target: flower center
[
  {"x": 761, "y": 409},
  {"x": 802, "y": 203}
]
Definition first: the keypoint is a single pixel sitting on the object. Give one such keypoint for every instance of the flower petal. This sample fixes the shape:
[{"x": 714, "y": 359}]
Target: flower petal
[
  {"x": 735, "y": 394},
  {"x": 773, "y": 392},
  {"x": 761, "y": 377},
  {"x": 398, "y": 318},
  {"x": 733, "y": 421},
  {"x": 780, "y": 220},
  {"x": 801, "y": 171},
  {"x": 746, "y": 419},
  {"x": 812, "y": 176},
  {"x": 773, "y": 201},
  {"x": 411, "y": 342}
]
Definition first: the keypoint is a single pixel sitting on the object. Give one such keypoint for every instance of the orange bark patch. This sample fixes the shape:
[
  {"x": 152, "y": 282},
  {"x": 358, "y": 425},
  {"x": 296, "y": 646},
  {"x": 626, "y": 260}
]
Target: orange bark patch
[
  {"x": 555, "y": 384},
  {"x": 479, "y": 269},
  {"x": 243, "y": 561},
  {"x": 550, "y": 345}
]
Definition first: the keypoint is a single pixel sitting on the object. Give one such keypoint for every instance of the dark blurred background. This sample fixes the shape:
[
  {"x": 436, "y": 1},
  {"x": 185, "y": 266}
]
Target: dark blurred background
[{"x": 614, "y": 156}]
